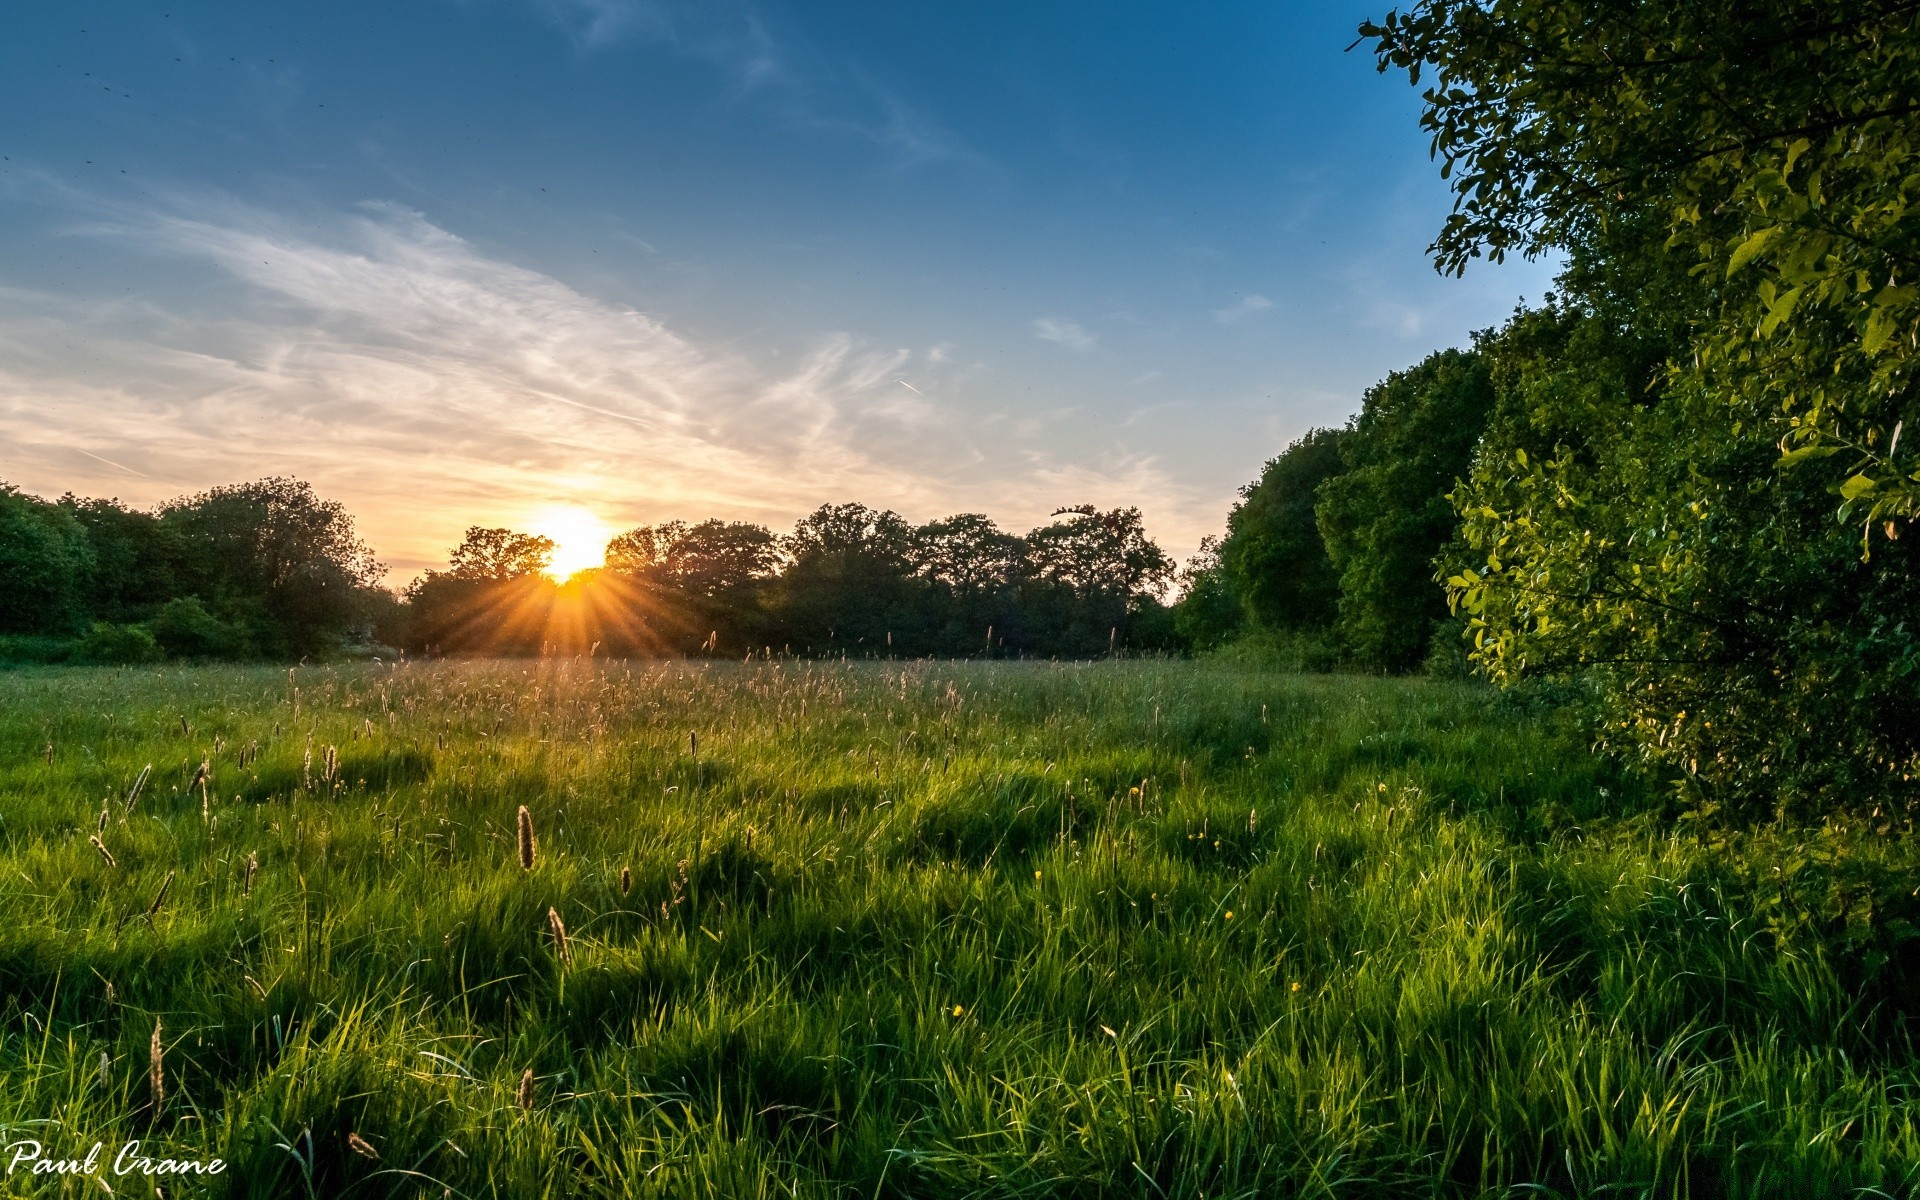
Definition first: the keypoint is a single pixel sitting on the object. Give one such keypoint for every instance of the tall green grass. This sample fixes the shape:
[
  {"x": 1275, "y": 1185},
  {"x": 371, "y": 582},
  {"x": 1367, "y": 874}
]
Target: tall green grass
[{"x": 910, "y": 929}]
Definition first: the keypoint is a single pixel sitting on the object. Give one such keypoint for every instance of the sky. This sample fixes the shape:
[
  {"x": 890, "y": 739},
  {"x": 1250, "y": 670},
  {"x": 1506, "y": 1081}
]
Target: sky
[{"x": 572, "y": 266}]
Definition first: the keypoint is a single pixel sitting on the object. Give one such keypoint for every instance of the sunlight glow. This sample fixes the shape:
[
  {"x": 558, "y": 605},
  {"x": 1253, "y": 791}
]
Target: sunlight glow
[{"x": 579, "y": 538}]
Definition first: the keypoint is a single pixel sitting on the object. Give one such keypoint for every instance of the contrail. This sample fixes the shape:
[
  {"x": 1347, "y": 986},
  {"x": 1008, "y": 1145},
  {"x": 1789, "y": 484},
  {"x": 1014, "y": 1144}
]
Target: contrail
[
  {"x": 110, "y": 462},
  {"x": 903, "y": 383}
]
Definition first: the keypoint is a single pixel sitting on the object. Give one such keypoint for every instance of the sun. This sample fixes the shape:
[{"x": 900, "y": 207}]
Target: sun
[{"x": 579, "y": 539}]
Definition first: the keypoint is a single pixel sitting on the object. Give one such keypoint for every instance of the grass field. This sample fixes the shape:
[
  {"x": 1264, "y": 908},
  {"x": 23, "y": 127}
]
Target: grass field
[{"x": 924, "y": 929}]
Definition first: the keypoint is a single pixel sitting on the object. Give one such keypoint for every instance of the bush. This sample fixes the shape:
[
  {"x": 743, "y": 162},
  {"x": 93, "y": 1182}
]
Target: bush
[
  {"x": 106, "y": 643},
  {"x": 184, "y": 628},
  {"x": 1284, "y": 650},
  {"x": 22, "y": 649},
  {"x": 1448, "y": 652}
]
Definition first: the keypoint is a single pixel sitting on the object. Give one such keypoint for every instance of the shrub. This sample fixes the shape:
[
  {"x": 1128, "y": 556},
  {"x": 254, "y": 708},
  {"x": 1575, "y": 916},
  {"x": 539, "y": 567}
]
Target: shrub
[
  {"x": 184, "y": 628},
  {"x": 107, "y": 643}
]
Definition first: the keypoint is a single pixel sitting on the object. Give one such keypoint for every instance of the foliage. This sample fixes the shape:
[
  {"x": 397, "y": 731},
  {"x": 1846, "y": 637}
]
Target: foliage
[
  {"x": 1273, "y": 557},
  {"x": 184, "y": 628},
  {"x": 499, "y": 555},
  {"x": 849, "y": 580},
  {"x": 1692, "y": 441},
  {"x": 44, "y": 561},
  {"x": 1775, "y": 143},
  {"x": 1209, "y": 613},
  {"x": 264, "y": 568},
  {"x": 928, "y": 930},
  {"x": 697, "y": 587},
  {"x": 279, "y": 558},
  {"x": 1088, "y": 575},
  {"x": 136, "y": 558},
  {"x": 713, "y": 559},
  {"x": 118, "y": 644},
  {"x": 1386, "y": 515}
]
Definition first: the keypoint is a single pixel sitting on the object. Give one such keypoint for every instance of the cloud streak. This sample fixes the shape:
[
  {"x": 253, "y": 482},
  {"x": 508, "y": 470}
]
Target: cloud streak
[
  {"x": 428, "y": 386},
  {"x": 1064, "y": 333},
  {"x": 1248, "y": 305}
]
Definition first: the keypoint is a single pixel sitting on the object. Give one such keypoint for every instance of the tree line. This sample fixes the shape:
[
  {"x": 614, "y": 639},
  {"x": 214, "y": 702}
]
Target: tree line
[
  {"x": 271, "y": 570},
  {"x": 266, "y": 569},
  {"x": 1679, "y": 484},
  {"x": 848, "y": 579}
]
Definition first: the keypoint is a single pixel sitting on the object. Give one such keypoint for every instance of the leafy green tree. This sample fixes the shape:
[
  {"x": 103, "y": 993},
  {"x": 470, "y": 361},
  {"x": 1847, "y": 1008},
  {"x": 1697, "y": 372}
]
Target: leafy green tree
[
  {"x": 492, "y": 598},
  {"x": 136, "y": 558},
  {"x": 44, "y": 563},
  {"x": 850, "y": 586},
  {"x": 691, "y": 588},
  {"x": 1089, "y": 575},
  {"x": 718, "y": 559},
  {"x": 1773, "y": 142},
  {"x": 1386, "y": 517},
  {"x": 1273, "y": 558},
  {"x": 1209, "y": 613},
  {"x": 1711, "y": 541},
  {"x": 1736, "y": 636},
  {"x": 497, "y": 555},
  {"x": 973, "y": 570},
  {"x": 277, "y": 558}
]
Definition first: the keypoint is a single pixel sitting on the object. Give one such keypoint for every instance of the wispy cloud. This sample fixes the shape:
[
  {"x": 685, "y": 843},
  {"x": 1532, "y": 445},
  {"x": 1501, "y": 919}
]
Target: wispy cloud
[
  {"x": 801, "y": 87},
  {"x": 428, "y": 385},
  {"x": 1064, "y": 332},
  {"x": 1246, "y": 306},
  {"x": 728, "y": 33}
]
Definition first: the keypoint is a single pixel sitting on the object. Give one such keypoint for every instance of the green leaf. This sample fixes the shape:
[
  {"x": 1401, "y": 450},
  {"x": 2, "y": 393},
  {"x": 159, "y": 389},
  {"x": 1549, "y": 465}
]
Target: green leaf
[
  {"x": 1857, "y": 487},
  {"x": 1779, "y": 309},
  {"x": 1755, "y": 243},
  {"x": 1879, "y": 330},
  {"x": 1804, "y": 453}
]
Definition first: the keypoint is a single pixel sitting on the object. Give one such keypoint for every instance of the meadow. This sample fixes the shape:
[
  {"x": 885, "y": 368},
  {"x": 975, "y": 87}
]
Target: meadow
[{"x": 916, "y": 929}]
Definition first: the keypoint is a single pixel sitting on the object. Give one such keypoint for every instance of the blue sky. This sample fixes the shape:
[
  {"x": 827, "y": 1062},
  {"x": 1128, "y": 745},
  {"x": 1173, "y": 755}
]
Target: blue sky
[{"x": 536, "y": 261}]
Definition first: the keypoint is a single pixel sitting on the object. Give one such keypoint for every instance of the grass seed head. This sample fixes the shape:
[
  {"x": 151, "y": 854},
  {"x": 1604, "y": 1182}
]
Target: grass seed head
[
  {"x": 160, "y": 897},
  {"x": 557, "y": 929},
  {"x": 140, "y": 781},
  {"x": 156, "y": 1067},
  {"x": 525, "y": 1096},
  {"x": 102, "y": 848},
  {"x": 626, "y": 880},
  {"x": 528, "y": 847},
  {"x": 362, "y": 1147}
]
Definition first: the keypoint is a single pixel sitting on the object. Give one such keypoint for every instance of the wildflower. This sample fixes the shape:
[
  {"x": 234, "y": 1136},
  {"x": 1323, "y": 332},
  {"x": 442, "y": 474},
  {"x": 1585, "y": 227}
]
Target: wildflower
[
  {"x": 958, "y": 1011},
  {"x": 1296, "y": 985},
  {"x": 1229, "y": 914}
]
